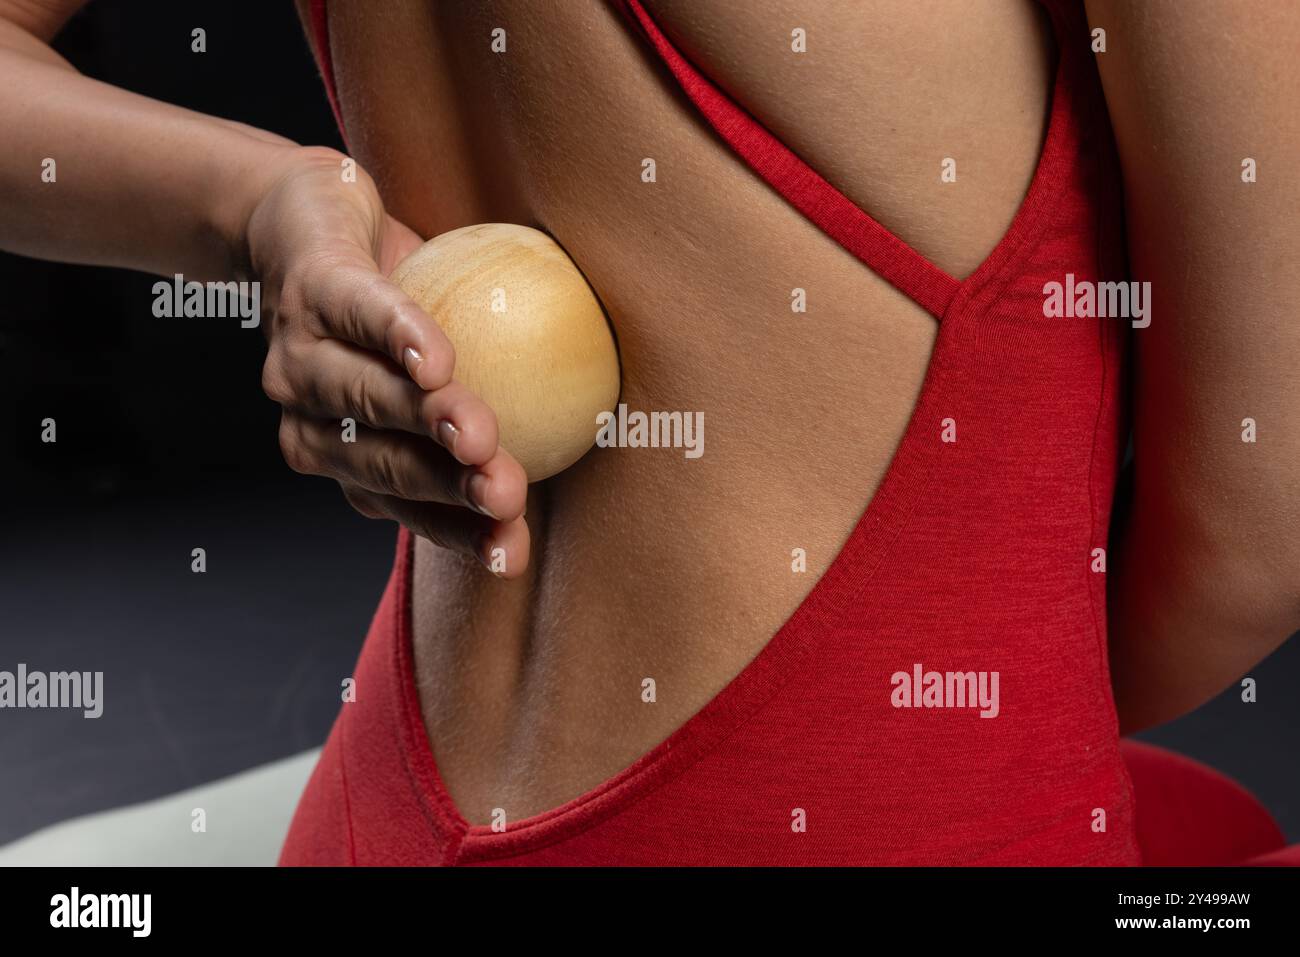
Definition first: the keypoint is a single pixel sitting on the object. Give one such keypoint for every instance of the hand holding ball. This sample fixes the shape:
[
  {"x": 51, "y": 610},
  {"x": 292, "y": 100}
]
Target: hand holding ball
[{"x": 531, "y": 338}]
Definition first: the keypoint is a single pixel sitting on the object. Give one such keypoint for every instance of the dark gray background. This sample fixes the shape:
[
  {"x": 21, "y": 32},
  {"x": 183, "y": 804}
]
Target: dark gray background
[{"x": 166, "y": 443}]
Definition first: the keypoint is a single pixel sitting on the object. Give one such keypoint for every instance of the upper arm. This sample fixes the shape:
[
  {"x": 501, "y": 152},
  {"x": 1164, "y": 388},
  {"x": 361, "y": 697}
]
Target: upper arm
[{"x": 1198, "y": 94}]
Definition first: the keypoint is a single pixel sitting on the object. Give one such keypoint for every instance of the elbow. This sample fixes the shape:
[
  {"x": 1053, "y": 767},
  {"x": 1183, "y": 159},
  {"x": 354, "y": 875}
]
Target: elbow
[
  {"x": 1192, "y": 619},
  {"x": 1233, "y": 546},
  {"x": 1253, "y": 570}
]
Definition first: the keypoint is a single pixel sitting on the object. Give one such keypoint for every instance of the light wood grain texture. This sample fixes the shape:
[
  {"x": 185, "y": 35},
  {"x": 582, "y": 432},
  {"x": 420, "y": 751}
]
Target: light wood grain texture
[{"x": 531, "y": 338}]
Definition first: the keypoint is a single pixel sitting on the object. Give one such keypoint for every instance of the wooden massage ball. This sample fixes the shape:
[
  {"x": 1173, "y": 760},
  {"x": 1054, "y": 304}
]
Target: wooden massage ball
[{"x": 530, "y": 336}]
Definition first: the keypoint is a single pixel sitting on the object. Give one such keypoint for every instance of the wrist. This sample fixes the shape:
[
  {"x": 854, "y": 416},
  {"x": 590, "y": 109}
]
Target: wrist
[{"x": 240, "y": 188}]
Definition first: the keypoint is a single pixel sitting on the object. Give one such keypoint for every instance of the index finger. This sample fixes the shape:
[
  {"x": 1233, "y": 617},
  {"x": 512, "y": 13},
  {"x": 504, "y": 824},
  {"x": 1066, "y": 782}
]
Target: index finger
[{"x": 354, "y": 302}]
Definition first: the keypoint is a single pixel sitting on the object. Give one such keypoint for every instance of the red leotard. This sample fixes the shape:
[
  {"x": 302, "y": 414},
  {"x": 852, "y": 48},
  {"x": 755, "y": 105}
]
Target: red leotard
[{"x": 974, "y": 555}]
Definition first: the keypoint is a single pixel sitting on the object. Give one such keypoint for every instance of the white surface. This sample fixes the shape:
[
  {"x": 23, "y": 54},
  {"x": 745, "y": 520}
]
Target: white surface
[{"x": 247, "y": 814}]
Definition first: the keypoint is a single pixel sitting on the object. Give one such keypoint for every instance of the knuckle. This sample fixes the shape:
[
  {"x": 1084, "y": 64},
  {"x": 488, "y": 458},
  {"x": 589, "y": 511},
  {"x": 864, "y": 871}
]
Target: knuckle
[
  {"x": 375, "y": 310},
  {"x": 275, "y": 383},
  {"x": 346, "y": 316},
  {"x": 294, "y": 352},
  {"x": 302, "y": 371},
  {"x": 295, "y": 451},
  {"x": 293, "y": 300},
  {"x": 388, "y": 473},
  {"x": 361, "y": 398},
  {"x": 311, "y": 288}
]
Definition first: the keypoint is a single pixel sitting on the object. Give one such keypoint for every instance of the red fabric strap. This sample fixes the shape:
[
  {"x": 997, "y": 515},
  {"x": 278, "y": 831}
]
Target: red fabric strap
[{"x": 832, "y": 211}]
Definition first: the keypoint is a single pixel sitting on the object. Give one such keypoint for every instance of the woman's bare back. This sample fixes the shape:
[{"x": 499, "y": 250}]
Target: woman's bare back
[{"x": 650, "y": 563}]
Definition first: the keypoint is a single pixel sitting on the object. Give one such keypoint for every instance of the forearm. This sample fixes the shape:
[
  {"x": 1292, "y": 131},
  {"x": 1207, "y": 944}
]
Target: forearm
[{"x": 94, "y": 174}]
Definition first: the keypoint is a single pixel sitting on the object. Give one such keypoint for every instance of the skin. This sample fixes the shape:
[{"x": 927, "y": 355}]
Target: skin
[
  {"x": 639, "y": 563},
  {"x": 217, "y": 200},
  {"x": 1208, "y": 575},
  {"x": 648, "y": 565}
]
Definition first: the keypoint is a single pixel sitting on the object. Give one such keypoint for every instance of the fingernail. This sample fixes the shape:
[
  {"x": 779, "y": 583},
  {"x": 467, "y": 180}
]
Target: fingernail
[
  {"x": 447, "y": 435},
  {"x": 412, "y": 360},
  {"x": 476, "y": 493}
]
